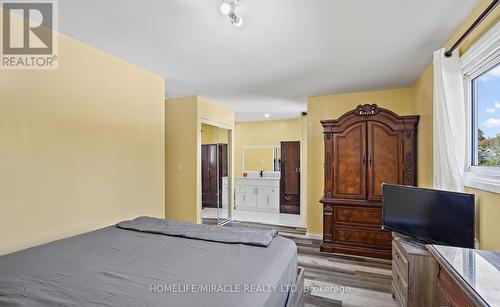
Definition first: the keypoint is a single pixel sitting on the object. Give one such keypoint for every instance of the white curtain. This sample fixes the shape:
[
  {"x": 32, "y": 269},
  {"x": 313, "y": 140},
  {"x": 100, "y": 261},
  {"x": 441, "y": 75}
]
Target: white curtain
[{"x": 449, "y": 123}]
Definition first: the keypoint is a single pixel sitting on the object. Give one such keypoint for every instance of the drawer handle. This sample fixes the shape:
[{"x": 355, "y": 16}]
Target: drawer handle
[
  {"x": 348, "y": 217},
  {"x": 347, "y": 237},
  {"x": 288, "y": 197}
]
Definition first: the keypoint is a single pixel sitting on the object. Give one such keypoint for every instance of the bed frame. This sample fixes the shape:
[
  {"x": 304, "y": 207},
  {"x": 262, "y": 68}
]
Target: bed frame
[{"x": 297, "y": 298}]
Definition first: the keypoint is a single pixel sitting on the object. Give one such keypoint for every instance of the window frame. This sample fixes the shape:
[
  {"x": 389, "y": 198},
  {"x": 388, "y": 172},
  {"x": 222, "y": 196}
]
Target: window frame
[{"x": 483, "y": 56}]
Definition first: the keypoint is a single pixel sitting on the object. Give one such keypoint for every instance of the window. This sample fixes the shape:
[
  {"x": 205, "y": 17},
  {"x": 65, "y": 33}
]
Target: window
[
  {"x": 486, "y": 118},
  {"x": 481, "y": 69}
]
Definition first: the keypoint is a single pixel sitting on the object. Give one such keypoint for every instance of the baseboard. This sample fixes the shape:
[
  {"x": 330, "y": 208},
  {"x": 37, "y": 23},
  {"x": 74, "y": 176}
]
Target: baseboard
[{"x": 315, "y": 236}]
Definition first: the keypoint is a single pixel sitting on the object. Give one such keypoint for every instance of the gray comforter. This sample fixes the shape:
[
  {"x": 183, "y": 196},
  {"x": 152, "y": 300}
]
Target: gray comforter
[
  {"x": 117, "y": 267},
  {"x": 257, "y": 237}
]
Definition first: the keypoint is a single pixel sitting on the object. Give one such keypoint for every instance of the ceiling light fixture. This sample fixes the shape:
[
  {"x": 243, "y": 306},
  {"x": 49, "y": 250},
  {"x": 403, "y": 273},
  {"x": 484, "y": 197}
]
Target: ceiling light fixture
[{"x": 228, "y": 8}]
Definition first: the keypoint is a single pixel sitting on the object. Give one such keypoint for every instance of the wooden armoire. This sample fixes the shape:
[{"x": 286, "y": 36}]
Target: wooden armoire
[{"x": 364, "y": 148}]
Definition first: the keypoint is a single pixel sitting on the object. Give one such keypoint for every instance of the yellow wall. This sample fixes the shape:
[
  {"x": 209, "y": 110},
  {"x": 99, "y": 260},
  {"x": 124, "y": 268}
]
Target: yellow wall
[
  {"x": 331, "y": 107},
  {"x": 81, "y": 147},
  {"x": 263, "y": 133},
  {"x": 181, "y": 133},
  {"x": 257, "y": 159},
  {"x": 488, "y": 216},
  {"x": 423, "y": 91},
  {"x": 423, "y": 105},
  {"x": 183, "y": 139}
]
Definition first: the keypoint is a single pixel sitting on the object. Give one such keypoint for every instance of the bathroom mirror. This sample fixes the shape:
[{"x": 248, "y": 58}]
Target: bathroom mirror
[{"x": 258, "y": 158}]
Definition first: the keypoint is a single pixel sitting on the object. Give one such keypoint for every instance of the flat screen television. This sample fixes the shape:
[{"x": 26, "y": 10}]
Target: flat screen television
[{"x": 432, "y": 216}]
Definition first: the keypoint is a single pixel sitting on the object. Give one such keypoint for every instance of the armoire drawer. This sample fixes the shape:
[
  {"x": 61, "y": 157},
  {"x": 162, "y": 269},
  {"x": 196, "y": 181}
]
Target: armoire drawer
[
  {"x": 363, "y": 216},
  {"x": 362, "y": 236}
]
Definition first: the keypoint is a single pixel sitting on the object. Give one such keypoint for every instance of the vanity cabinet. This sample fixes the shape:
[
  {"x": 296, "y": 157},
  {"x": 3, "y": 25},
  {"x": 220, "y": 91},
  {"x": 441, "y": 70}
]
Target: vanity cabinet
[
  {"x": 257, "y": 194},
  {"x": 225, "y": 192}
]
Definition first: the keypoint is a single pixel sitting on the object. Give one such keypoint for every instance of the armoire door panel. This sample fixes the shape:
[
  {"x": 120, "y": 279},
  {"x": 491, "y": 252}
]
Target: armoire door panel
[
  {"x": 349, "y": 163},
  {"x": 384, "y": 158}
]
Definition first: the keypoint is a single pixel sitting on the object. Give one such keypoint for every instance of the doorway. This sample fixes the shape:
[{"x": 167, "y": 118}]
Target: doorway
[{"x": 268, "y": 191}]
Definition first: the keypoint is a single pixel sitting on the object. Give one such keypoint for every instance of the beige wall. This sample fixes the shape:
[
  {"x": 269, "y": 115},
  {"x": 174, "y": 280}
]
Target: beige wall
[
  {"x": 488, "y": 216},
  {"x": 488, "y": 203},
  {"x": 181, "y": 133},
  {"x": 263, "y": 133},
  {"x": 81, "y": 147},
  {"x": 423, "y": 91},
  {"x": 331, "y": 107},
  {"x": 183, "y": 138}
]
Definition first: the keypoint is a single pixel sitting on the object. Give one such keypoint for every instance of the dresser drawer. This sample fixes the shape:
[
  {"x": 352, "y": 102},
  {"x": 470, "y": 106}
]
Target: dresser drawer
[
  {"x": 363, "y": 216},
  {"x": 452, "y": 290},
  {"x": 362, "y": 236},
  {"x": 400, "y": 288},
  {"x": 399, "y": 262},
  {"x": 399, "y": 275}
]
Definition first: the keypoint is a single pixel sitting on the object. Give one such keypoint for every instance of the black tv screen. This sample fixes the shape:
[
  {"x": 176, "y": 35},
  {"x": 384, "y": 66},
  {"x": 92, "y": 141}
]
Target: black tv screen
[{"x": 433, "y": 216}]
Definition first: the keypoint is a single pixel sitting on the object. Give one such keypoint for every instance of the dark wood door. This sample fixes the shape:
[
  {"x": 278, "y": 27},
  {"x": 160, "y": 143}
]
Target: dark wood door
[
  {"x": 385, "y": 158},
  {"x": 349, "y": 163},
  {"x": 290, "y": 178},
  {"x": 209, "y": 176}
]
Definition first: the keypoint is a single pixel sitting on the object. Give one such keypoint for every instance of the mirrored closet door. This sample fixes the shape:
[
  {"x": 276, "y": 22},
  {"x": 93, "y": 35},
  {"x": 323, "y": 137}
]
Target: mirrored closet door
[{"x": 215, "y": 174}]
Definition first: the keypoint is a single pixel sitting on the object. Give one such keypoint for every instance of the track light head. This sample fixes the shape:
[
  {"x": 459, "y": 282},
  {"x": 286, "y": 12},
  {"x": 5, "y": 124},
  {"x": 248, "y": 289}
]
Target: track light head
[{"x": 228, "y": 8}]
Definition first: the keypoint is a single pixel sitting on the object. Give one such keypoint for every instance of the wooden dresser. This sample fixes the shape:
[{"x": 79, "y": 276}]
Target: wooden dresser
[
  {"x": 467, "y": 277},
  {"x": 363, "y": 149},
  {"x": 414, "y": 274}
]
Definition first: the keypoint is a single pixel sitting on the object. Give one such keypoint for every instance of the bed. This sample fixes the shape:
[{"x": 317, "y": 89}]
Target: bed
[{"x": 126, "y": 267}]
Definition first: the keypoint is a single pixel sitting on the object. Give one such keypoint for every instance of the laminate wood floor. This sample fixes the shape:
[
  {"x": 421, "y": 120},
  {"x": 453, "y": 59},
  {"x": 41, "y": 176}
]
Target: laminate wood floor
[{"x": 337, "y": 280}]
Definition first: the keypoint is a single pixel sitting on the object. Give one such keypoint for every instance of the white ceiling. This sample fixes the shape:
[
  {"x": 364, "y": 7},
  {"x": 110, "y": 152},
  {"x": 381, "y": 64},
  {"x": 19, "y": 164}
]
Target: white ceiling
[{"x": 286, "y": 50}]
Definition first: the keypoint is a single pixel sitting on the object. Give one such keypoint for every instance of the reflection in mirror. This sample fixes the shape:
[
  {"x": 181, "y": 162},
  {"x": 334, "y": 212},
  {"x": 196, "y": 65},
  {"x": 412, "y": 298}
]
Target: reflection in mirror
[
  {"x": 214, "y": 173},
  {"x": 258, "y": 158},
  {"x": 261, "y": 158},
  {"x": 277, "y": 158}
]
